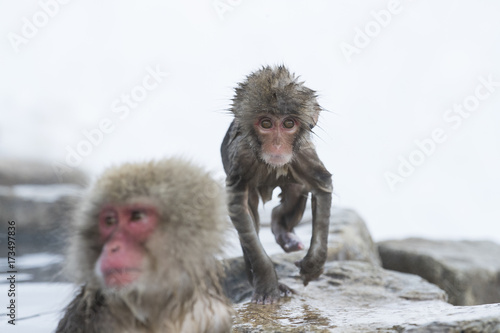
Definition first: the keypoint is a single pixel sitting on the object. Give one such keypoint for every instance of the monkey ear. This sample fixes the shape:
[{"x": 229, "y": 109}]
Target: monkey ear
[
  {"x": 314, "y": 115},
  {"x": 312, "y": 105}
]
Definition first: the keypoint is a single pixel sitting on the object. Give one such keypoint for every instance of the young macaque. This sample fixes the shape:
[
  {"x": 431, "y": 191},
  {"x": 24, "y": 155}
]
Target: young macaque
[
  {"x": 144, "y": 251},
  {"x": 267, "y": 145}
]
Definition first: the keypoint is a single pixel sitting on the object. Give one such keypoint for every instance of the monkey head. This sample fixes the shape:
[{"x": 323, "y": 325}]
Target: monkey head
[
  {"x": 148, "y": 224},
  {"x": 275, "y": 113}
]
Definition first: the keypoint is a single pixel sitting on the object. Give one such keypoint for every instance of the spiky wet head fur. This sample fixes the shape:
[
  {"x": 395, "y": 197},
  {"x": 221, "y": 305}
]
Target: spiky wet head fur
[{"x": 275, "y": 91}]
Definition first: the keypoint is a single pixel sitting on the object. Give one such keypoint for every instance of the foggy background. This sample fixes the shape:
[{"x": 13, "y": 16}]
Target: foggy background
[
  {"x": 388, "y": 74},
  {"x": 65, "y": 79}
]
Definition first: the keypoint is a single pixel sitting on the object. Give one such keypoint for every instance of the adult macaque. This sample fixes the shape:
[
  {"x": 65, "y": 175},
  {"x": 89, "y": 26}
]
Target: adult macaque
[
  {"x": 143, "y": 250},
  {"x": 268, "y": 144}
]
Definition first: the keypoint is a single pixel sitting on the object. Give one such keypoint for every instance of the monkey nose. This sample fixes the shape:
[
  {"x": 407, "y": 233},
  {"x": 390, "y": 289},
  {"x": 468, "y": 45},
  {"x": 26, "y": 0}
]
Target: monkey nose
[{"x": 114, "y": 247}]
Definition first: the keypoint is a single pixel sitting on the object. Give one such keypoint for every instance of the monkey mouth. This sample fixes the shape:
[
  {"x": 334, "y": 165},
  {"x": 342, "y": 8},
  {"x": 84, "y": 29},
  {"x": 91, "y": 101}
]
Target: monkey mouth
[
  {"x": 121, "y": 277},
  {"x": 277, "y": 160}
]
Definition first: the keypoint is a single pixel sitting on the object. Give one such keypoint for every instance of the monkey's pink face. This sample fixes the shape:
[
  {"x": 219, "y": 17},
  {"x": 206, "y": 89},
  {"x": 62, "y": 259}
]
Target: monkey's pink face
[
  {"x": 277, "y": 135},
  {"x": 124, "y": 230}
]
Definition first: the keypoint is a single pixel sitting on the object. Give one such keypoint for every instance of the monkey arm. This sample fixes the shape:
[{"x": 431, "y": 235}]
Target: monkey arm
[
  {"x": 319, "y": 180},
  {"x": 75, "y": 313},
  {"x": 311, "y": 267},
  {"x": 260, "y": 268}
]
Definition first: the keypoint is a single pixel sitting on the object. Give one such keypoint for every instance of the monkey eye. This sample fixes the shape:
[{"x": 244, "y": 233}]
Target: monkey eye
[
  {"x": 110, "y": 220},
  {"x": 288, "y": 123},
  {"x": 137, "y": 215},
  {"x": 266, "y": 123}
]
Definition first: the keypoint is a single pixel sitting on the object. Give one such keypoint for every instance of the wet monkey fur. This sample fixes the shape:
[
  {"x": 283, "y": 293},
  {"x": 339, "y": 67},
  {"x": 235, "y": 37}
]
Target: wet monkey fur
[
  {"x": 269, "y": 145},
  {"x": 143, "y": 252}
]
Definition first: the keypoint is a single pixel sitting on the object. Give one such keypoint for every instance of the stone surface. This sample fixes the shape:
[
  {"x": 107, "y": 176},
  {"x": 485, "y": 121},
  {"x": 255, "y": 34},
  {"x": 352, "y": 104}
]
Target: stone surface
[
  {"x": 349, "y": 239},
  {"x": 16, "y": 172},
  {"x": 355, "y": 294},
  {"x": 41, "y": 201},
  {"x": 38, "y": 196},
  {"x": 37, "y": 216},
  {"x": 469, "y": 271},
  {"x": 360, "y": 297}
]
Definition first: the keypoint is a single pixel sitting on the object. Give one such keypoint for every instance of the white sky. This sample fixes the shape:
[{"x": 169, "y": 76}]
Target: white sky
[{"x": 397, "y": 89}]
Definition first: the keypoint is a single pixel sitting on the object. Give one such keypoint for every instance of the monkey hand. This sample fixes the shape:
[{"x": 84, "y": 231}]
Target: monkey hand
[{"x": 310, "y": 269}]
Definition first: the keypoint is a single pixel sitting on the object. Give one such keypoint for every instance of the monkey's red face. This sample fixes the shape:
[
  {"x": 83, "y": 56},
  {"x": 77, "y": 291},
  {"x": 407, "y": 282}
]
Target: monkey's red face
[
  {"x": 124, "y": 230},
  {"x": 277, "y": 136}
]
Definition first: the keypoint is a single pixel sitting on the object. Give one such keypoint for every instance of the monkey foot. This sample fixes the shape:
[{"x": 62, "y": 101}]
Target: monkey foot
[
  {"x": 274, "y": 296},
  {"x": 266, "y": 297},
  {"x": 289, "y": 241},
  {"x": 285, "y": 291}
]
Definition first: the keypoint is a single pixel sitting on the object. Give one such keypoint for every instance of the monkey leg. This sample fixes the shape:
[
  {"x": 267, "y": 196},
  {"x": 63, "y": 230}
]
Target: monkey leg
[
  {"x": 253, "y": 205},
  {"x": 287, "y": 215},
  {"x": 260, "y": 268}
]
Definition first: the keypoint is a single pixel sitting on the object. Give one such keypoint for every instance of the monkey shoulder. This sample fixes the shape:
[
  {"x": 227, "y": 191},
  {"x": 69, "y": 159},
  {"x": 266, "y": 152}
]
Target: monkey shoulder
[
  {"x": 82, "y": 313},
  {"x": 235, "y": 159},
  {"x": 307, "y": 169},
  {"x": 224, "y": 148},
  {"x": 211, "y": 314}
]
